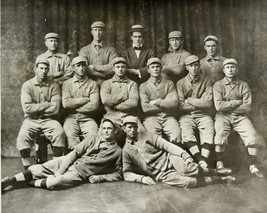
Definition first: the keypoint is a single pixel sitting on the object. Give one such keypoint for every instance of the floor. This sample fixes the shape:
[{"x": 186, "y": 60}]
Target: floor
[{"x": 247, "y": 195}]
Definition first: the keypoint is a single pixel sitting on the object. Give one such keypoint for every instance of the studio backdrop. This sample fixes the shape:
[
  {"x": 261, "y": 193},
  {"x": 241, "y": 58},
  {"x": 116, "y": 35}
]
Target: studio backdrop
[{"x": 239, "y": 24}]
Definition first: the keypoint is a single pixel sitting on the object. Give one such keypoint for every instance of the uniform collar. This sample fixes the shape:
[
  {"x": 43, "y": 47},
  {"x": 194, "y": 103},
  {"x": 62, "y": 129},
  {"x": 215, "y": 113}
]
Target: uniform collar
[
  {"x": 193, "y": 80},
  {"x": 227, "y": 82},
  {"x": 35, "y": 82},
  {"x": 179, "y": 50},
  {"x": 130, "y": 141},
  {"x": 48, "y": 54},
  {"x": 75, "y": 79},
  {"x": 117, "y": 79},
  {"x": 102, "y": 141},
  {"x": 155, "y": 81}
]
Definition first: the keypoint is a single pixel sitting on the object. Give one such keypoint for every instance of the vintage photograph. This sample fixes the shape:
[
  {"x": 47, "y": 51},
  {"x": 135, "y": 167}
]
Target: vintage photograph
[{"x": 132, "y": 106}]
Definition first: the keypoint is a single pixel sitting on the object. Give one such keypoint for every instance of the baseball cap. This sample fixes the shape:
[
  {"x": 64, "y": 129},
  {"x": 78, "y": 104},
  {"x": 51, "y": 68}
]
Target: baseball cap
[
  {"x": 230, "y": 61},
  {"x": 98, "y": 24},
  {"x": 130, "y": 119},
  {"x": 78, "y": 59},
  {"x": 41, "y": 60},
  {"x": 190, "y": 59},
  {"x": 211, "y": 37},
  {"x": 137, "y": 28},
  {"x": 118, "y": 59},
  {"x": 153, "y": 60},
  {"x": 51, "y": 35},
  {"x": 175, "y": 34}
]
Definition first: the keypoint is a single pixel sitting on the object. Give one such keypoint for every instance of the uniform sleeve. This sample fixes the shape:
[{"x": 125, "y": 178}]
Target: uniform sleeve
[
  {"x": 171, "y": 100},
  {"x": 132, "y": 101},
  {"x": 27, "y": 102},
  {"x": 114, "y": 176},
  {"x": 67, "y": 67},
  {"x": 205, "y": 101},
  {"x": 107, "y": 68},
  {"x": 181, "y": 99},
  {"x": 68, "y": 99},
  {"x": 55, "y": 101},
  {"x": 107, "y": 97},
  {"x": 78, "y": 151},
  {"x": 145, "y": 101},
  {"x": 93, "y": 103},
  {"x": 245, "y": 107},
  {"x": 128, "y": 173},
  {"x": 219, "y": 102}
]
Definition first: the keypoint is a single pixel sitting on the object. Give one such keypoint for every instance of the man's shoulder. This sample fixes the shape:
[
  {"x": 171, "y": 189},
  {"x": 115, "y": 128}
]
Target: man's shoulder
[{"x": 28, "y": 82}]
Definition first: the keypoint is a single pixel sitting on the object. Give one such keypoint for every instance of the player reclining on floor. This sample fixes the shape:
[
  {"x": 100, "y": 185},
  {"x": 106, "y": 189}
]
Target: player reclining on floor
[
  {"x": 156, "y": 159},
  {"x": 95, "y": 159}
]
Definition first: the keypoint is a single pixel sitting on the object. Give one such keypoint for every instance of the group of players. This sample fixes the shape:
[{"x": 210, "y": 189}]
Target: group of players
[{"x": 152, "y": 108}]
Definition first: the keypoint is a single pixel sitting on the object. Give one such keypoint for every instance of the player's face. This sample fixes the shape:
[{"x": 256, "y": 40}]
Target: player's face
[
  {"x": 131, "y": 130},
  {"x": 108, "y": 131},
  {"x": 193, "y": 69},
  {"x": 154, "y": 70},
  {"x": 51, "y": 44},
  {"x": 137, "y": 38},
  {"x": 175, "y": 43},
  {"x": 120, "y": 69},
  {"x": 211, "y": 48},
  {"x": 230, "y": 70},
  {"x": 41, "y": 71},
  {"x": 97, "y": 33},
  {"x": 80, "y": 69}
]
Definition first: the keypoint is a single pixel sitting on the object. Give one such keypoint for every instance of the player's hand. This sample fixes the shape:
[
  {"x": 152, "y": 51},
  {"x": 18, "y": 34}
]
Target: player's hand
[
  {"x": 93, "y": 179},
  {"x": 239, "y": 102},
  {"x": 91, "y": 67},
  {"x": 148, "y": 180}
]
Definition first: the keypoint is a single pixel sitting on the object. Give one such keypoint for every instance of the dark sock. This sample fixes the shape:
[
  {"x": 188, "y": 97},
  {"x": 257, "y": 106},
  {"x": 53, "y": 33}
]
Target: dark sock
[
  {"x": 43, "y": 184},
  {"x": 252, "y": 159},
  {"x": 197, "y": 155},
  {"x": 201, "y": 181},
  {"x": 57, "y": 151},
  {"x": 219, "y": 156}
]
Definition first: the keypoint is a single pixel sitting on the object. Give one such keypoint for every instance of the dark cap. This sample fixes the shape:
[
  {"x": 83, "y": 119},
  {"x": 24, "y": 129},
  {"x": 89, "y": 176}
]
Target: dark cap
[
  {"x": 51, "y": 35},
  {"x": 137, "y": 28}
]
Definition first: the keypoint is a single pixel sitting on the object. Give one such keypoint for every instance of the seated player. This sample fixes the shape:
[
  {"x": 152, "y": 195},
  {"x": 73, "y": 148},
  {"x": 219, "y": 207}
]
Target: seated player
[
  {"x": 80, "y": 98},
  {"x": 40, "y": 99},
  {"x": 232, "y": 100},
  {"x": 195, "y": 102},
  {"x": 159, "y": 103},
  {"x": 119, "y": 96}
]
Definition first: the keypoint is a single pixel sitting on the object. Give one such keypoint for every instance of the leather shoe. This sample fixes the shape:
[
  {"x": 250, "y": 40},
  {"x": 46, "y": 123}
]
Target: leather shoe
[
  {"x": 5, "y": 182},
  {"x": 224, "y": 171},
  {"x": 228, "y": 179}
]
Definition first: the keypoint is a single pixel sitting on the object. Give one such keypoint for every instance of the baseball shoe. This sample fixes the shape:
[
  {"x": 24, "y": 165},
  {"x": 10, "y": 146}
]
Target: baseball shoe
[
  {"x": 5, "y": 182},
  {"x": 223, "y": 171},
  {"x": 255, "y": 171}
]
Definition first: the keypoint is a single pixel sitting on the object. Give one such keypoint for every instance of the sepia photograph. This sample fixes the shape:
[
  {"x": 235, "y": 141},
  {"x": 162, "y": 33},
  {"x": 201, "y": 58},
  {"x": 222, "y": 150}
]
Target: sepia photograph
[{"x": 133, "y": 106}]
